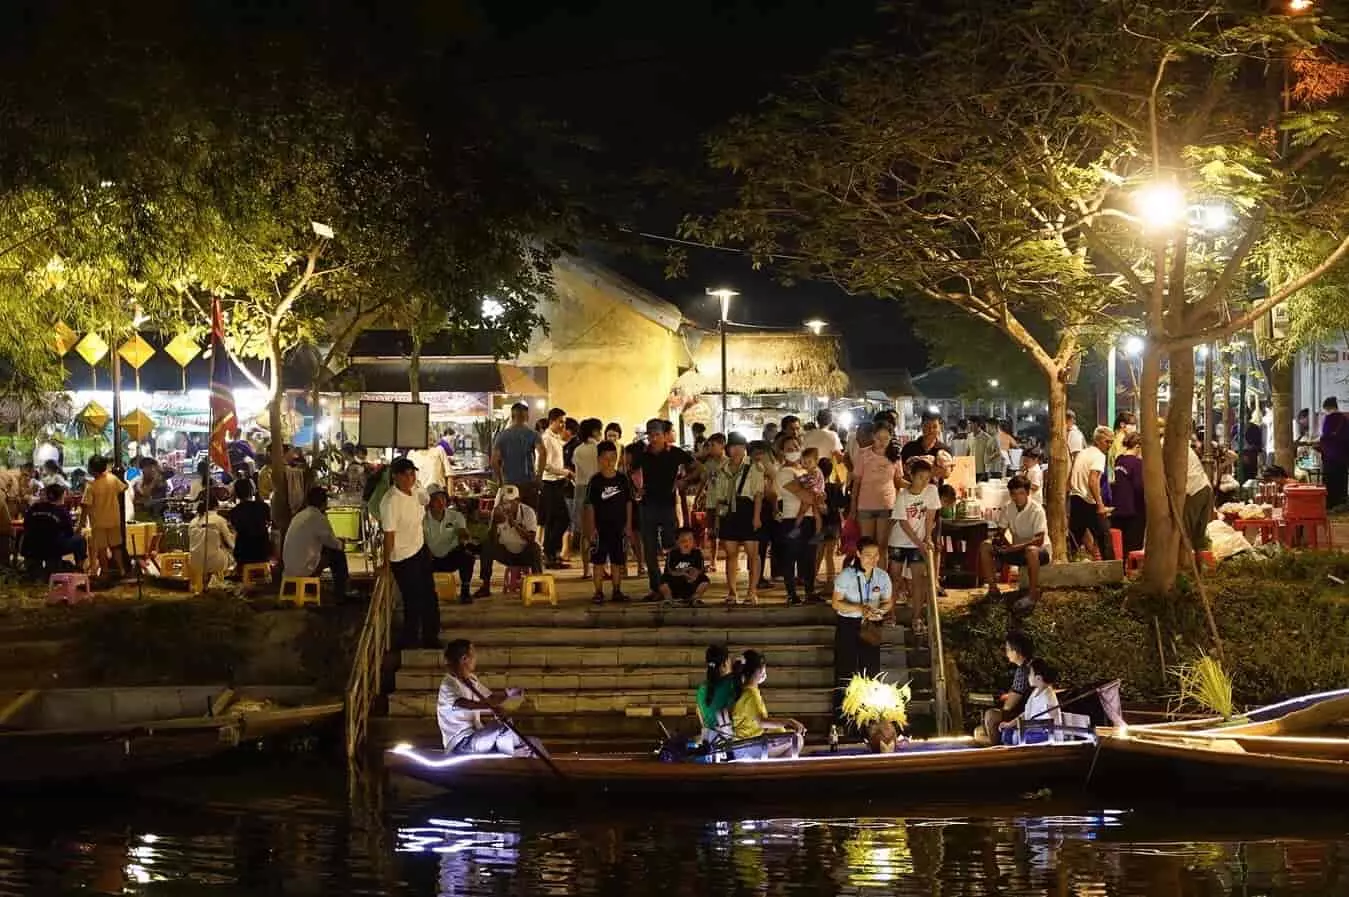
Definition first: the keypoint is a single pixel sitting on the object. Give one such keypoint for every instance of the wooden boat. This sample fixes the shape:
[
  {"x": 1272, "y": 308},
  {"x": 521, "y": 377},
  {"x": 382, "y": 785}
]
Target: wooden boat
[
  {"x": 938, "y": 766},
  {"x": 1289, "y": 750},
  {"x": 89, "y": 733}
]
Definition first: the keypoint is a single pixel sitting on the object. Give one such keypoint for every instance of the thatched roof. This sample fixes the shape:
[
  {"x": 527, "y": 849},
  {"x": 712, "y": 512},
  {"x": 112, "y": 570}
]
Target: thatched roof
[{"x": 766, "y": 363}]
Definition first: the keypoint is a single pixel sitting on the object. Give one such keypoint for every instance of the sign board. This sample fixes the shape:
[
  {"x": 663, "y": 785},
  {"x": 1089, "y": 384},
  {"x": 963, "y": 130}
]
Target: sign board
[{"x": 396, "y": 425}]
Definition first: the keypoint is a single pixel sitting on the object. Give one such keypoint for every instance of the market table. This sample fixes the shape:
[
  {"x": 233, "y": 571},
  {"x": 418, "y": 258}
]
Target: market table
[{"x": 967, "y": 534}]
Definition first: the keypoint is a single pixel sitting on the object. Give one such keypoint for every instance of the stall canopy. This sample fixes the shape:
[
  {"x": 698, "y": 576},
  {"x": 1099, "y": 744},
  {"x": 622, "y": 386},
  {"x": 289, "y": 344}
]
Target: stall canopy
[
  {"x": 440, "y": 376},
  {"x": 765, "y": 363}
]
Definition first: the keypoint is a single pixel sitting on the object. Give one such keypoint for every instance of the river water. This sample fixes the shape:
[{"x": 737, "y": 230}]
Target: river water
[{"x": 289, "y": 828}]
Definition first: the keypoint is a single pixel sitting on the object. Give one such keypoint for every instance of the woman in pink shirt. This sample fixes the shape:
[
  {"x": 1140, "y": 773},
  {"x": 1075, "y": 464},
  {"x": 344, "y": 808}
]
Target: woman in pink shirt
[{"x": 875, "y": 482}]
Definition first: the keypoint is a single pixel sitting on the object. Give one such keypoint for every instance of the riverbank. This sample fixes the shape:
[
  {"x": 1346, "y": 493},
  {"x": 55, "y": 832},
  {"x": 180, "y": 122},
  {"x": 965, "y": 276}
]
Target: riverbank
[{"x": 1282, "y": 623}]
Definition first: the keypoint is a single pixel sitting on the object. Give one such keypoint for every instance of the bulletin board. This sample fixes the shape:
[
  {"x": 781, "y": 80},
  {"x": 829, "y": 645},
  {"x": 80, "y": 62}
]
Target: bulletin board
[{"x": 395, "y": 425}]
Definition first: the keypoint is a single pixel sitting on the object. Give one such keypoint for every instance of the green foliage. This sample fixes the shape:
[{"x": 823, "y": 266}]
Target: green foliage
[
  {"x": 1282, "y": 623},
  {"x": 180, "y": 642}
]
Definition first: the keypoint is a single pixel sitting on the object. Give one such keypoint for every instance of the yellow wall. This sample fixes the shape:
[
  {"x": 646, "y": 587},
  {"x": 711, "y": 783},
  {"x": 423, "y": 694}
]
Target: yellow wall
[{"x": 604, "y": 359}]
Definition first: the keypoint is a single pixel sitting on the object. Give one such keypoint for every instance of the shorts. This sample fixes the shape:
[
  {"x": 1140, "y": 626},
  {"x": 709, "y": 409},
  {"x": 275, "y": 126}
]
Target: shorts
[
  {"x": 1018, "y": 558},
  {"x": 906, "y": 556},
  {"x": 738, "y": 525},
  {"x": 873, "y": 514},
  {"x": 609, "y": 548},
  {"x": 101, "y": 537},
  {"x": 680, "y": 588}
]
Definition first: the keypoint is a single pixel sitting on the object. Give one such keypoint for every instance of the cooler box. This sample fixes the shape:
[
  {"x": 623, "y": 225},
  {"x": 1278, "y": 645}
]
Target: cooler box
[
  {"x": 1304, "y": 502},
  {"x": 346, "y": 524}
]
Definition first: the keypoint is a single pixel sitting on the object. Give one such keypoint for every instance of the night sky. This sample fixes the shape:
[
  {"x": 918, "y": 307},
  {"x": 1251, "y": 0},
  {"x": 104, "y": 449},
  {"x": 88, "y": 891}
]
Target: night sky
[{"x": 648, "y": 82}]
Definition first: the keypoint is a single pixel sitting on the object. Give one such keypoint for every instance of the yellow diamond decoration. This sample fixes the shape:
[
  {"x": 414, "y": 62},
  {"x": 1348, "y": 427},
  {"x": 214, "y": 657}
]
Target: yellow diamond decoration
[
  {"x": 136, "y": 351},
  {"x": 92, "y": 348},
  {"x": 95, "y": 416},
  {"x": 182, "y": 349},
  {"x": 63, "y": 338},
  {"x": 138, "y": 425}
]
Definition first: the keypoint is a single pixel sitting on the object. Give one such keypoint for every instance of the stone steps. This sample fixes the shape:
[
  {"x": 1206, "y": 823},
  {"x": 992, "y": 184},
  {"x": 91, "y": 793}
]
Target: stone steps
[
  {"x": 583, "y": 679},
  {"x": 508, "y": 613},
  {"x": 621, "y": 658},
  {"x": 491, "y": 638},
  {"x": 673, "y": 703}
]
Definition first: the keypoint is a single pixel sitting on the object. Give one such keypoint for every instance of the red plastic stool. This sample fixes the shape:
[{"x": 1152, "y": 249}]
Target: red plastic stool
[
  {"x": 1134, "y": 562},
  {"x": 514, "y": 577},
  {"x": 1117, "y": 543},
  {"x": 1005, "y": 576}
]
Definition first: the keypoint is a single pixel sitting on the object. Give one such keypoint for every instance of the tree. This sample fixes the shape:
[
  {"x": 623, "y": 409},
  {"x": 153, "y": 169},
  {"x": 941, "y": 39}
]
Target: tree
[{"x": 1017, "y": 163}]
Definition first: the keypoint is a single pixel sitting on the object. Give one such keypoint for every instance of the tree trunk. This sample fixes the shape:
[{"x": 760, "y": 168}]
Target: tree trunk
[
  {"x": 1281, "y": 392},
  {"x": 1159, "y": 568},
  {"x": 1179, "y": 430},
  {"x": 1056, "y": 484},
  {"x": 415, "y": 367},
  {"x": 281, "y": 512}
]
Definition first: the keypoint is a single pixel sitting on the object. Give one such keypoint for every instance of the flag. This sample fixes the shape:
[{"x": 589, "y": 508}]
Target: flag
[{"x": 224, "y": 422}]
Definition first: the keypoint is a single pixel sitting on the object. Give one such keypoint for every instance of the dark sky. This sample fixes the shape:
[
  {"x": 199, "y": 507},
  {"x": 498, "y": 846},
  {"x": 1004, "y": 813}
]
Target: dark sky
[{"x": 649, "y": 81}]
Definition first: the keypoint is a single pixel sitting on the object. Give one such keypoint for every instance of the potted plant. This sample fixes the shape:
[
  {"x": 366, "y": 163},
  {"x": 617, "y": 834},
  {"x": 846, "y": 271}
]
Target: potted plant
[{"x": 878, "y": 709}]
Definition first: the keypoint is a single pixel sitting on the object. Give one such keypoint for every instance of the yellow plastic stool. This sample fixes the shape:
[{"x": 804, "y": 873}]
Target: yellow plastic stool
[
  {"x": 538, "y": 587},
  {"x": 196, "y": 582},
  {"x": 300, "y": 590},
  {"x": 174, "y": 564},
  {"x": 447, "y": 585},
  {"x": 255, "y": 573}
]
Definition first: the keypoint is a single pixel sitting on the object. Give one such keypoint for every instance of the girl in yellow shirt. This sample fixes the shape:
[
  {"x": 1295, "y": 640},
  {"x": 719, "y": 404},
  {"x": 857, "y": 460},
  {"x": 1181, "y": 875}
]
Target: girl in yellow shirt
[{"x": 750, "y": 719}]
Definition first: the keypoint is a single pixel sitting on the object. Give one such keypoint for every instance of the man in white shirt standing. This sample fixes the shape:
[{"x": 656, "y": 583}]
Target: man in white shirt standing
[
  {"x": 823, "y": 438},
  {"x": 407, "y": 558},
  {"x": 1087, "y": 511},
  {"x": 557, "y": 489},
  {"x": 1026, "y": 529},
  {"x": 1076, "y": 441},
  {"x": 584, "y": 462}
]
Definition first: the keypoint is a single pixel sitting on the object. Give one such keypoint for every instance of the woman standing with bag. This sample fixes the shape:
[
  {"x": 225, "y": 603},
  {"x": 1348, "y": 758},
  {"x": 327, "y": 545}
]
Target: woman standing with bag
[
  {"x": 738, "y": 492},
  {"x": 863, "y": 595}
]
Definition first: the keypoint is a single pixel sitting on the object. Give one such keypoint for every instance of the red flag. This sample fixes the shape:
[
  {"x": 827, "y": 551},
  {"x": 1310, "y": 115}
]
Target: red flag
[{"x": 224, "y": 422}]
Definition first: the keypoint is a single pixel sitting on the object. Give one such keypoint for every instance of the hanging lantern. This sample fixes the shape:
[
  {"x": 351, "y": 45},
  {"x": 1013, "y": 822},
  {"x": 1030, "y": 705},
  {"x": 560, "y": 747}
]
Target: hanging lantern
[
  {"x": 63, "y": 338},
  {"x": 94, "y": 417},
  {"x": 136, "y": 352},
  {"x": 138, "y": 425},
  {"x": 92, "y": 349},
  {"x": 182, "y": 349}
]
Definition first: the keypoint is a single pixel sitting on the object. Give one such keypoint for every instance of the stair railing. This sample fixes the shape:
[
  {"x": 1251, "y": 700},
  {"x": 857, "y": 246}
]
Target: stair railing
[{"x": 363, "y": 686}]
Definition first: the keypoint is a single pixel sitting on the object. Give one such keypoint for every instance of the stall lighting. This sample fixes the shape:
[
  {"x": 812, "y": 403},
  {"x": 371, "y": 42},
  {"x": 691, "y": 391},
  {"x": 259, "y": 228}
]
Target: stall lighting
[
  {"x": 1133, "y": 346},
  {"x": 993, "y": 384},
  {"x": 492, "y": 309},
  {"x": 1160, "y": 205}
]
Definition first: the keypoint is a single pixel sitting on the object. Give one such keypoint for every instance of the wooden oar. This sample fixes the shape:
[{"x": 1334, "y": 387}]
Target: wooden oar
[{"x": 509, "y": 724}]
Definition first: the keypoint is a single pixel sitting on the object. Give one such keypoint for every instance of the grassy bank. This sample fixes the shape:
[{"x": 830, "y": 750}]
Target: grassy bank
[{"x": 1284, "y": 625}]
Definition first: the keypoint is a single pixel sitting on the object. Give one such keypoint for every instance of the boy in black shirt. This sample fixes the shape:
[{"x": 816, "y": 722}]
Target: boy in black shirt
[
  {"x": 685, "y": 580},
  {"x": 608, "y": 520}
]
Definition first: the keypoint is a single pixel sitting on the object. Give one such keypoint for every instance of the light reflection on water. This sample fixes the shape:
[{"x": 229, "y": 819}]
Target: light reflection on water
[{"x": 289, "y": 842}]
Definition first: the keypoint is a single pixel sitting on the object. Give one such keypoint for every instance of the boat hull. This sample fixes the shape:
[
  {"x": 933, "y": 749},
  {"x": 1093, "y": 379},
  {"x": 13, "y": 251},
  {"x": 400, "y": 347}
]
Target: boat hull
[
  {"x": 988, "y": 771},
  {"x": 1217, "y": 769}
]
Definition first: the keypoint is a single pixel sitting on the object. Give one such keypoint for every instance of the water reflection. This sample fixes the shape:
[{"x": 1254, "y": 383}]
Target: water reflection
[{"x": 291, "y": 843}]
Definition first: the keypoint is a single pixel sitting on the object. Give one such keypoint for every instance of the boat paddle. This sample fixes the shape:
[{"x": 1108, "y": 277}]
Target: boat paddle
[{"x": 506, "y": 721}]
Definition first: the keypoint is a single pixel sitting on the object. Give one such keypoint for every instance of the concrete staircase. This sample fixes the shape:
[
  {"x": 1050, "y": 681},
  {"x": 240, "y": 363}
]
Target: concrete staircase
[{"x": 602, "y": 674}]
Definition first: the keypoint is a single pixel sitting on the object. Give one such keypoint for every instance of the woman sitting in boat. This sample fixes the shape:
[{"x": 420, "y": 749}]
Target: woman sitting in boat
[
  {"x": 1042, "y": 719},
  {"x": 750, "y": 720},
  {"x": 464, "y": 703},
  {"x": 1019, "y": 650},
  {"x": 716, "y": 696}
]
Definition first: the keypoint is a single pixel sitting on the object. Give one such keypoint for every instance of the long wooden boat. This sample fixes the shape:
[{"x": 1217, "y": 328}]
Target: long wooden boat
[
  {"x": 938, "y": 766},
  {"x": 78, "y": 734},
  {"x": 1292, "y": 750}
]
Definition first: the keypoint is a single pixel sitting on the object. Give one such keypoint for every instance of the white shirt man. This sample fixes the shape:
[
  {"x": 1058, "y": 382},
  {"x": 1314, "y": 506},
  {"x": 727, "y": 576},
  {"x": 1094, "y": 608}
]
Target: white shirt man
[
  {"x": 1026, "y": 523},
  {"x": 554, "y": 468},
  {"x": 210, "y": 543},
  {"x": 509, "y": 536},
  {"x": 825, "y": 442},
  {"x": 308, "y": 534},
  {"x": 1076, "y": 441},
  {"x": 400, "y": 515},
  {"x": 1089, "y": 459}
]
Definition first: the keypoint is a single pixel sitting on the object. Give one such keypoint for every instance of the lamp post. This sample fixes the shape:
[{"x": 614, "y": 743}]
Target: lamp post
[{"x": 725, "y": 296}]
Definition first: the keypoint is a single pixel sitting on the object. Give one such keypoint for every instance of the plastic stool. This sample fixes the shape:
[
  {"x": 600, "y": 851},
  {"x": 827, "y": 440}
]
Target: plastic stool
[
  {"x": 300, "y": 590},
  {"x": 447, "y": 585},
  {"x": 63, "y": 588},
  {"x": 1117, "y": 542},
  {"x": 1311, "y": 526},
  {"x": 539, "y": 587},
  {"x": 174, "y": 564},
  {"x": 255, "y": 573},
  {"x": 1134, "y": 561},
  {"x": 514, "y": 576},
  {"x": 1006, "y": 577},
  {"x": 1206, "y": 560}
]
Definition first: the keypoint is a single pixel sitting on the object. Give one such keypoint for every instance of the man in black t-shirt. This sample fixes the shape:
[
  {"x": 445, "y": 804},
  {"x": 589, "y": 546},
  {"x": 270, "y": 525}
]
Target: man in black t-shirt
[
  {"x": 608, "y": 521},
  {"x": 928, "y": 443},
  {"x": 655, "y": 473},
  {"x": 685, "y": 578}
]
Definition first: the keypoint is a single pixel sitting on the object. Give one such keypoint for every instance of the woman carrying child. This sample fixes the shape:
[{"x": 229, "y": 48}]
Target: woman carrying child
[{"x": 750, "y": 720}]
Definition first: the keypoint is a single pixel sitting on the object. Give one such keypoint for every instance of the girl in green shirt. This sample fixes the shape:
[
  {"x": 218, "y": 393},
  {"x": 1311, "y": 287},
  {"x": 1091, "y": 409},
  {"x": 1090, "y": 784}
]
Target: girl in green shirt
[{"x": 716, "y": 696}]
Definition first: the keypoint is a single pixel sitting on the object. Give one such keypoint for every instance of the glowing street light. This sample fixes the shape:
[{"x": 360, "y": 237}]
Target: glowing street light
[
  {"x": 1133, "y": 346},
  {"x": 816, "y": 326},
  {"x": 492, "y": 309},
  {"x": 993, "y": 384},
  {"x": 1297, "y": 6},
  {"x": 725, "y": 295},
  {"x": 1160, "y": 205},
  {"x": 1214, "y": 217}
]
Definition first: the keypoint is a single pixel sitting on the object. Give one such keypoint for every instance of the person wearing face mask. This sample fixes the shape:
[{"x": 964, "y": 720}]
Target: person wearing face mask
[
  {"x": 795, "y": 548},
  {"x": 1126, "y": 422}
]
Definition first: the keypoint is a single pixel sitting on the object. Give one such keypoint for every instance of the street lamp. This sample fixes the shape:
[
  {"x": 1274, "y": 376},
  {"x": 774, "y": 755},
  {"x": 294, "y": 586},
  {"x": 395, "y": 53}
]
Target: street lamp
[
  {"x": 993, "y": 384},
  {"x": 1133, "y": 346},
  {"x": 816, "y": 326},
  {"x": 725, "y": 295},
  {"x": 1297, "y": 6},
  {"x": 1160, "y": 205}
]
